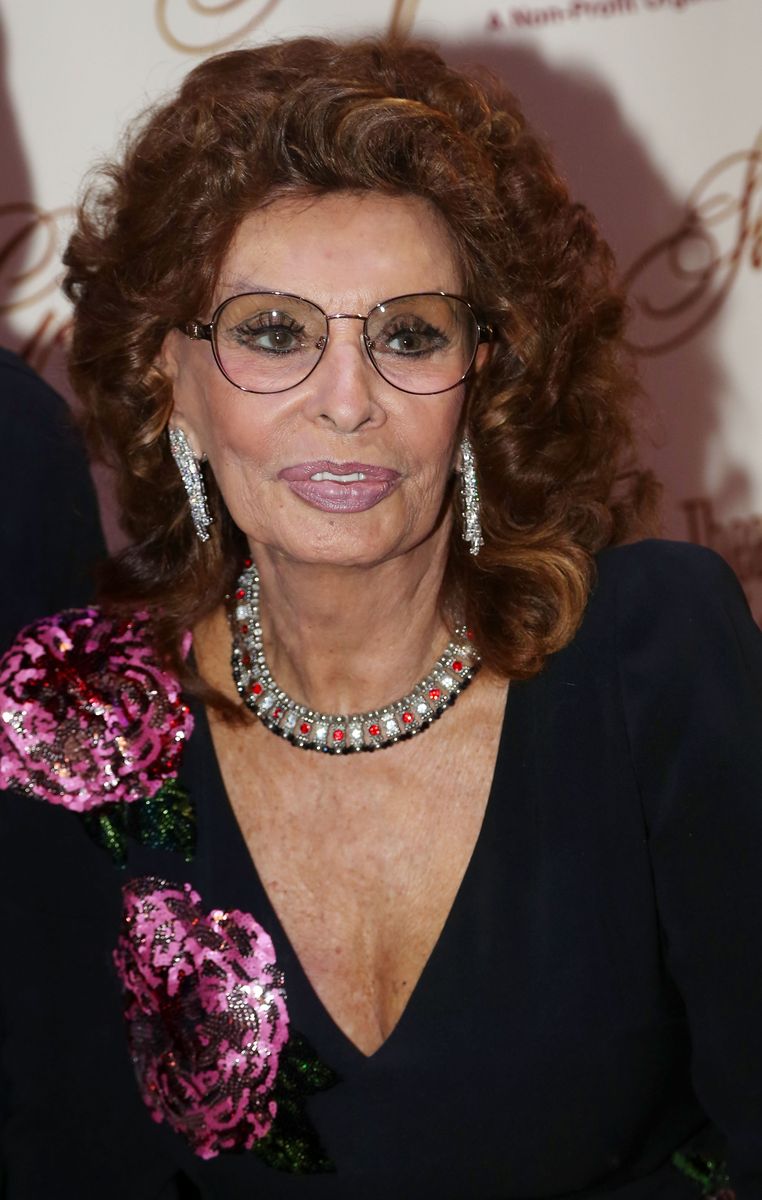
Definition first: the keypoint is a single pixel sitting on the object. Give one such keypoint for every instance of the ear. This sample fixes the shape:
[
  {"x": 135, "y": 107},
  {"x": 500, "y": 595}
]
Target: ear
[
  {"x": 457, "y": 458},
  {"x": 169, "y": 362}
]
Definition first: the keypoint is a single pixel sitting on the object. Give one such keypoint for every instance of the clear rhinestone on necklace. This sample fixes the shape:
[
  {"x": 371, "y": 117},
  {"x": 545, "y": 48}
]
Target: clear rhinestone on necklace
[{"x": 339, "y": 733}]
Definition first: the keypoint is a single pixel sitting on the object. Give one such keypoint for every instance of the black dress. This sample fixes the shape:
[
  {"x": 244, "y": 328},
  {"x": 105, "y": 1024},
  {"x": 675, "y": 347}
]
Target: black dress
[{"x": 593, "y": 1006}]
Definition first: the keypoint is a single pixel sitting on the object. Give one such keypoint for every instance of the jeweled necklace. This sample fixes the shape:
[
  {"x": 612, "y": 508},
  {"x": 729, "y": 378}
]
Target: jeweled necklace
[{"x": 339, "y": 733}]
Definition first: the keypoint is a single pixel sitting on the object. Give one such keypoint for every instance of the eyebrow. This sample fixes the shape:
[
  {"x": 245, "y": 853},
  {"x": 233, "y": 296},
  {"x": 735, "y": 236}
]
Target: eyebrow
[{"x": 242, "y": 285}]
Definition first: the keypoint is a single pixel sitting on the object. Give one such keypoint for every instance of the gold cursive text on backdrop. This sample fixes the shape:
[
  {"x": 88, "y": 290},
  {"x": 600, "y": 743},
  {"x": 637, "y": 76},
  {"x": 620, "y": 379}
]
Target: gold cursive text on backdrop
[
  {"x": 213, "y": 10},
  {"x": 403, "y": 17},
  {"x": 30, "y": 267},
  {"x": 33, "y": 231},
  {"x": 739, "y": 540},
  {"x": 400, "y": 22},
  {"x": 697, "y": 264}
]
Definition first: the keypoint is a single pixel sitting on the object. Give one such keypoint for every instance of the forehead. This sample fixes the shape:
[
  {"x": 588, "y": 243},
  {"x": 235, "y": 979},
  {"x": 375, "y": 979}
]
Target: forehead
[{"x": 344, "y": 250}]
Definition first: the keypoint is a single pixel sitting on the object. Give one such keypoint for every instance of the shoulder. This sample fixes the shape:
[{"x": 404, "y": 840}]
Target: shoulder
[
  {"x": 43, "y": 449},
  {"x": 668, "y": 615},
  {"x": 88, "y": 712},
  {"x": 27, "y": 399},
  {"x": 55, "y": 536},
  {"x": 685, "y": 648},
  {"x": 663, "y": 586},
  {"x": 662, "y": 565},
  {"x": 14, "y": 362}
]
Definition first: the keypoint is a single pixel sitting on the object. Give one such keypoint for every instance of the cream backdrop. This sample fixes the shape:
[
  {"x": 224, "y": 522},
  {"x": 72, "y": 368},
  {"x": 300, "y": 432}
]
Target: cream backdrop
[{"x": 654, "y": 108}]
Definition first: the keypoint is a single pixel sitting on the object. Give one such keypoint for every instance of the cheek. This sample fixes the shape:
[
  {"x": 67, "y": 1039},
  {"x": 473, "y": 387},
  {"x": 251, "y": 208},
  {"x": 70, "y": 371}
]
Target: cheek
[
  {"x": 241, "y": 433},
  {"x": 227, "y": 425},
  {"x": 436, "y": 440},
  {"x": 241, "y": 450}
]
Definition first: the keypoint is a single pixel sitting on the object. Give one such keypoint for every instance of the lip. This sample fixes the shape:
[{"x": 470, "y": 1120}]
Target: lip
[
  {"x": 306, "y": 470},
  {"x": 330, "y": 495}
]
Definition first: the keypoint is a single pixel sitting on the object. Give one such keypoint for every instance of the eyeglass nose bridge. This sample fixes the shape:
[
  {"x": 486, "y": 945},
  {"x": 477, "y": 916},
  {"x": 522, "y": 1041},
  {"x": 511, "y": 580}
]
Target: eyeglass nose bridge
[
  {"x": 322, "y": 341},
  {"x": 348, "y": 317}
]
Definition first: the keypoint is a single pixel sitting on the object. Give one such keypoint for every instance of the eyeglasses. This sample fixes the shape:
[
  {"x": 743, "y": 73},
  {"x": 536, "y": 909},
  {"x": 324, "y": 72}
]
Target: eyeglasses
[{"x": 271, "y": 341}]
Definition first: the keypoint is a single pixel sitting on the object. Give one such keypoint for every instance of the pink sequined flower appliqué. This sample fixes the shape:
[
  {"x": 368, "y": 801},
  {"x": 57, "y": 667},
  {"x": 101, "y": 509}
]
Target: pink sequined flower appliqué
[
  {"x": 88, "y": 715},
  {"x": 206, "y": 1013}
]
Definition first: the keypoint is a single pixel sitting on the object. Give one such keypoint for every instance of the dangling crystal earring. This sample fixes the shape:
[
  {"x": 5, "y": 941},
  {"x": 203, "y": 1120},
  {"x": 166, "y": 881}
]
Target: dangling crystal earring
[
  {"x": 469, "y": 493},
  {"x": 193, "y": 481}
]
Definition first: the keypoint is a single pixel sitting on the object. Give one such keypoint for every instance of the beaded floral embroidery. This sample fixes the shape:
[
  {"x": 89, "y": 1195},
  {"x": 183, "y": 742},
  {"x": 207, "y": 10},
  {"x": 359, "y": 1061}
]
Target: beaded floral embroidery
[
  {"x": 209, "y": 1029},
  {"x": 92, "y": 722},
  {"x": 707, "y": 1171}
]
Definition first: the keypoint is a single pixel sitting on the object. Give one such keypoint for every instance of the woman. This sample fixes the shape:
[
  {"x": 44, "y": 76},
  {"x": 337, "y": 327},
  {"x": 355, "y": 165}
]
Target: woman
[{"x": 514, "y": 951}]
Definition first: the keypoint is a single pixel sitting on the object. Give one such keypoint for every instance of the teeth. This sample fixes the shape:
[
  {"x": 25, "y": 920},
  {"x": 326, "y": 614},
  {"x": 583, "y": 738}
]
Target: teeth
[{"x": 323, "y": 476}]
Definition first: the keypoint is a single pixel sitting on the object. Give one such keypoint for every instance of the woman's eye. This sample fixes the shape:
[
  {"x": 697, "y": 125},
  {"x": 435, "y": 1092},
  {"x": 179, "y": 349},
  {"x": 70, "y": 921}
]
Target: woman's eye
[
  {"x": 274, "y": 335},
  {"x": 411, "y": 339}
]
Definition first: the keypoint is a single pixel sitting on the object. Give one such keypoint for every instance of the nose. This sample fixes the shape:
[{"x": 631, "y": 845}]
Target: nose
[{"x": 342, "y": 389}]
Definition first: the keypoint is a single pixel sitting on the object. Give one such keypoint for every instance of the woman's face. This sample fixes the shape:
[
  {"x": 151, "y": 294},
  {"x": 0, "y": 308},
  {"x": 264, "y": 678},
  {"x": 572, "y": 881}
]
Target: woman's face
[{"x": 287, "y": 464}]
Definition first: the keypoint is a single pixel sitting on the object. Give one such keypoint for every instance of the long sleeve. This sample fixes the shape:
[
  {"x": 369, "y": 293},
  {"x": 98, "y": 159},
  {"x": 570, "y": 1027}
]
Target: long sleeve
[{"x": 691, "y": 680}]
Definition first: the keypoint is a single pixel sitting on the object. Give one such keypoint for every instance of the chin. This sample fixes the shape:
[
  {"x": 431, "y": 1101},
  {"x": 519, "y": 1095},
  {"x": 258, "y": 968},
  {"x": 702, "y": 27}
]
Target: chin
[{"x": 340, "y": 549}]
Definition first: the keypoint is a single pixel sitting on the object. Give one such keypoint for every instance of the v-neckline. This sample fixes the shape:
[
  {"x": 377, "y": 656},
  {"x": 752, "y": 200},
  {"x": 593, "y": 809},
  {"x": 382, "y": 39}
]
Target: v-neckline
[{"x": 297, "y": 979}]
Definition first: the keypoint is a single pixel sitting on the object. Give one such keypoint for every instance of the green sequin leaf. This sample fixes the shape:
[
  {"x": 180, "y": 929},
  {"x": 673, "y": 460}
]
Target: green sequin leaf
[
  {"x": 293, "y": 1144},
  {"x": 708, "y": 1173},
  {"x": 107, "y": 827},
  {"x": 166, "y": 821}
]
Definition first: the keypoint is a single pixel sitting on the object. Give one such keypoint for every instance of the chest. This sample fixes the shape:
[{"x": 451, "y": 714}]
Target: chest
[
  {"x": 362, "y": 856},
  {"x": 540, "y": 1017}
]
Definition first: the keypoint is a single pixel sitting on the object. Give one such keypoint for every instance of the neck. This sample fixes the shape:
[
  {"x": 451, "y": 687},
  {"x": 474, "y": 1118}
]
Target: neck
[{"x": 347, "y": 639}]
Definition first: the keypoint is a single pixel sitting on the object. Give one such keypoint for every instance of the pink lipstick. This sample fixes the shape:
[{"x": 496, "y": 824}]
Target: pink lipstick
[{"x": 349, "y": 487}]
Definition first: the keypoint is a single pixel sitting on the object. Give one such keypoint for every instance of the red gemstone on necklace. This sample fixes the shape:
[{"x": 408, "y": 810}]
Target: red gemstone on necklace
[
  {"x": 434, "y": 693},
  {"x": 470, "y": 634},
  {"x": 277, "y": 712},
  {"x": 246, "y": 660},
  {"x": 256, "y": 689},
  {"x": 244, "y": 629},
  {"x": 338, "y": 735},
  {"x": 374, "y": 730},
  {"x": 408, "y": 718},
  {"x": 304, "y": 727},
  {"x": 247, "y": 563},
  {"x": 457, "y": 665},
  {"x": 240, "y": 594}
]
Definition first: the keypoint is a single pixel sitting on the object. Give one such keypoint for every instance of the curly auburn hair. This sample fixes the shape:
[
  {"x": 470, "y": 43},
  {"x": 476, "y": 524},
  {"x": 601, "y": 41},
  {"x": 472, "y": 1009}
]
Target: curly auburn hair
[{"x": 549, "y": 414}]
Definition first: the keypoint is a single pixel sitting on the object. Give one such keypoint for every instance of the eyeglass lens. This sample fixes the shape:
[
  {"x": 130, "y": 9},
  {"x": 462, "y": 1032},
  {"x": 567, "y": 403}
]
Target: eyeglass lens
[{"x": 422, "y": 344}]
